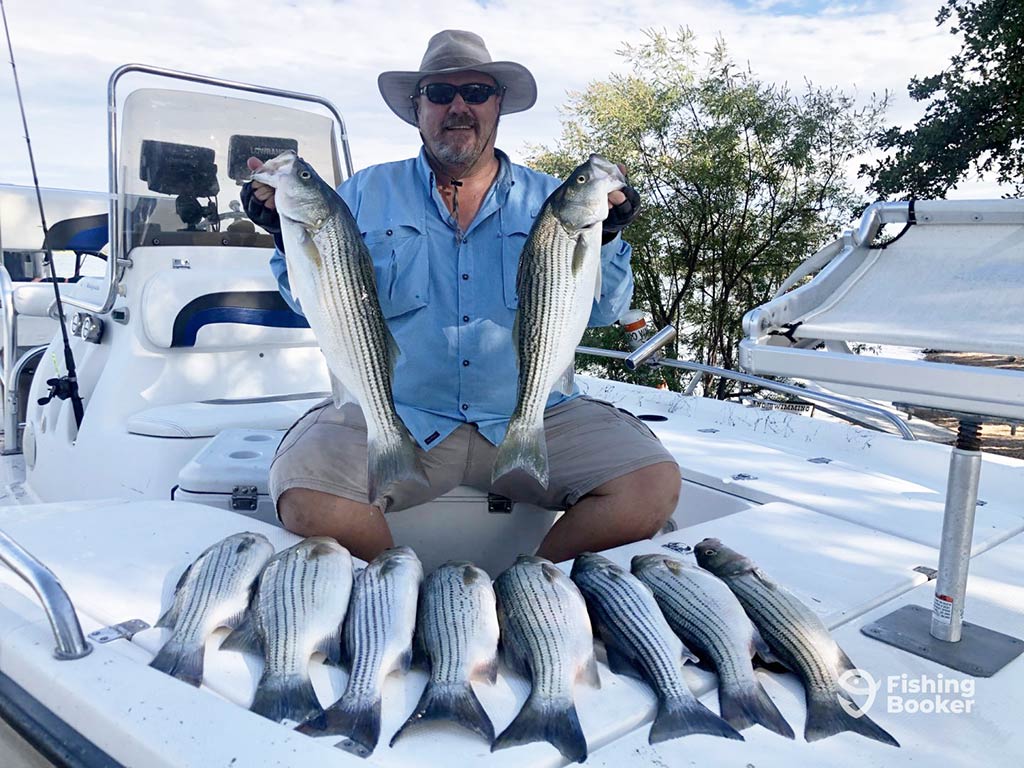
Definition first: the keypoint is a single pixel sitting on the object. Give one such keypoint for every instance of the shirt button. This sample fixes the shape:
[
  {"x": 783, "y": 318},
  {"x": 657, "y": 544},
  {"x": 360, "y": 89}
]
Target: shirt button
[
  {"x": 465, "y": 318},
  {"x": 465, "y": 407},
  {"x": 465, "y": 363},
  {"x": 389, "y": 233},
  {"x": 465, "y": 276}
]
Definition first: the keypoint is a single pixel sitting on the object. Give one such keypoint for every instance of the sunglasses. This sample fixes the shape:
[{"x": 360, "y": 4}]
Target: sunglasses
[{"x": 444, "y": 93}]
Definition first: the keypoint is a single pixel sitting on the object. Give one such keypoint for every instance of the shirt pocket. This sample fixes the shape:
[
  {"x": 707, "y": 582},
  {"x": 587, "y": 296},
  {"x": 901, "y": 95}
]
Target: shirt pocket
[
  {"x": 400, "y": 268},
  {"x": 512, "y": 243}
]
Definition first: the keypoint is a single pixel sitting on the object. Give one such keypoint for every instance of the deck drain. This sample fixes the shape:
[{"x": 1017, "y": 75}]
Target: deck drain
[{"x": 652, "y": 417}]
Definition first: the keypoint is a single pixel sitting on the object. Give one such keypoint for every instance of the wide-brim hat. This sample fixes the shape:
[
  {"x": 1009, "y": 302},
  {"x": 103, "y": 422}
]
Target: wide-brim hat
[{"x": 451, "y": 51}]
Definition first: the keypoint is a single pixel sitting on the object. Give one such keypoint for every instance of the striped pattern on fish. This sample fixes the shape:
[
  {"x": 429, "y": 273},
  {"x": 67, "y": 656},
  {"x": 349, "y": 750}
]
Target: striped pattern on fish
[
  {"x": 558, "y": 280},
  {"x": 330, "y": 272},
  {"x": 706, "y": 615},
  {"x": 377, "y": 640},
  {"x": 213, "y": 592},
  {"x": 640, "y": 643},
  {"x": 797, "y": 637},
  {"x": 547, "y": 637},
  {"x": 457, "y": 628},
  {"x": 298, "y": 610}
]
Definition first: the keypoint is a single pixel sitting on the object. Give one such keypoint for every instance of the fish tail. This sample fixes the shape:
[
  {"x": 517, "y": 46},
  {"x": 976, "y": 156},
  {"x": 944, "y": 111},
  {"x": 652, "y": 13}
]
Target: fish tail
[
  {"x": 525, "y": 448},
  {"x": 826, "y": 717},
  {"x": 358, "y": 720},
  {"x": 457, "y": 703},
  {"x": 392, "y": 459},
  {"x": 683, "y": 717},
  {"x": 555, "y": 722},
  {"x": 181, "y": 660},
  {"x": 746, "y": 705},
  {"x": 286, "y": 697}
]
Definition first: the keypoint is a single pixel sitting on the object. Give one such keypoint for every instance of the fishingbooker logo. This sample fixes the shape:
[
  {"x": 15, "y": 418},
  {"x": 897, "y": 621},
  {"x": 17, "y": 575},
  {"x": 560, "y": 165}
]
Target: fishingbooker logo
[{"x": 923, "y": 694}]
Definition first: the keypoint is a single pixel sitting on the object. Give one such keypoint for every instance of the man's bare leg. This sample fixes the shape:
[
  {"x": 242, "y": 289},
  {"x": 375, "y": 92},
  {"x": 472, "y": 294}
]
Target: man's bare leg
[
  {"x": 360, "y": 528},
  {"x": 623, "y": 510}
]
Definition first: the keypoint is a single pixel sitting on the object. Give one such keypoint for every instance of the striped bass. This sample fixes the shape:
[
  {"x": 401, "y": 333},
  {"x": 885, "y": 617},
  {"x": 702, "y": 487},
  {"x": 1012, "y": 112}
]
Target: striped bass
[
  {"x": 559, "y": 278},
  {"x": 298, "y": 610},
  {"x": 641, "y": 644},
  {"x": 377, "y": 640},
  {"x": 546, "y": 634},
  {"x": 798, "y": 638},
  {"x": 457, "y": 628},
  {"x": 709, "y": 619},
  {"x": 331, "y": 274},
  {"x": 213, "y": 592}
]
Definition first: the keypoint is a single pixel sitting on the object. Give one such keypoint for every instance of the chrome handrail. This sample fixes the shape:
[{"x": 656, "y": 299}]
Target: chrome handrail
[
  {"x": 116, "y": 260},
  {"x": 776, "y": 386},
  {"x": 10, "y": 341},
  {"x": 71, "y": 643}
]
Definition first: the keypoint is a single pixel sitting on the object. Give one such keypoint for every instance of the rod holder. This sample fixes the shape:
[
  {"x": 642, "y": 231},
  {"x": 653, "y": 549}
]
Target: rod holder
[{"x": 646, "y": 351}]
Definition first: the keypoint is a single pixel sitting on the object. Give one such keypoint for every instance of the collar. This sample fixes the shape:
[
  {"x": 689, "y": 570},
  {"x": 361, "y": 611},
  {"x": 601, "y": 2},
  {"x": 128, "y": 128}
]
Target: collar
[{"x": 502, "y": 182}]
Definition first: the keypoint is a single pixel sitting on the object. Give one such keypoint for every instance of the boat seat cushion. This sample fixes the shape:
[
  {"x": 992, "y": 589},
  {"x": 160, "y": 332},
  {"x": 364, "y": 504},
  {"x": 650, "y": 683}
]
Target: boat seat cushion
[
  {"x": 34, "y": 299},
  {"x": 209, "y": 417},
  {"x": 219, "y": 309}
]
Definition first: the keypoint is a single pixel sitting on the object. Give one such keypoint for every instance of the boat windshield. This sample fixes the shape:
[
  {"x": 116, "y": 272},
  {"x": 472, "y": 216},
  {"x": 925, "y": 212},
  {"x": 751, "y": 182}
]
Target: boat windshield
[{"x": 183, "y": 161}]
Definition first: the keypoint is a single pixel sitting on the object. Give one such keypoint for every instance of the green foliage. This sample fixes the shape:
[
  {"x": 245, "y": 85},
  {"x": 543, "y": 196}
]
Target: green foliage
[
  {"x": 740, "y": 180},
  {"x": 974, "y": 122}
]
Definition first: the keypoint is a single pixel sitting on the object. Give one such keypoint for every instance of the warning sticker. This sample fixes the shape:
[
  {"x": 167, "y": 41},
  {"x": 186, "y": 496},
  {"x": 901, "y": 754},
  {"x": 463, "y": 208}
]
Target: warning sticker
[{"x": 942, "y": 608}]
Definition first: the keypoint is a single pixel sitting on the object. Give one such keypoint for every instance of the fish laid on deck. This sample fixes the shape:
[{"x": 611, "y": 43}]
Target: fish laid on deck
[
  {"x": 377, "y": 639},
  {"x": 798, "y": 638},
  {"x": 213, "y": 592},
  {"x": 641, "y": 644},
  {"x": 298, "y": 610}
]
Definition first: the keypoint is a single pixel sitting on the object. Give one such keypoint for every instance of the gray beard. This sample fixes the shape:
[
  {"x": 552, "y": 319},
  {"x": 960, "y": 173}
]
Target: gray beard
[{"x": 459, "y": 157}]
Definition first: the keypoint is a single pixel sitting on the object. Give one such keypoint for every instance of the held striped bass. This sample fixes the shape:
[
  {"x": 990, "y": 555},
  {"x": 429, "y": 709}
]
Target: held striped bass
[
  {"x": 798, "y": 638},
  {"x": 706, "y": 615},
  {"x": 213, "y": 592},
  {"x": 546, "y": 635},
  {"x": 298, "y": 610},
  {"x": 331, "y": 274},
  {"x": 457, "y": 628},
  {"x": 559, "y": 278},
  {"x": 377, "y": 640},
  {"x": 641, "y": 644}
]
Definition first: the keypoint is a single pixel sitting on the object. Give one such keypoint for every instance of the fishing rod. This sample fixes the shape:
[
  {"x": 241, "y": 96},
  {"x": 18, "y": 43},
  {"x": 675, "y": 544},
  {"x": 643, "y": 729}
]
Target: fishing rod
[{"x": 61, "y": 387}]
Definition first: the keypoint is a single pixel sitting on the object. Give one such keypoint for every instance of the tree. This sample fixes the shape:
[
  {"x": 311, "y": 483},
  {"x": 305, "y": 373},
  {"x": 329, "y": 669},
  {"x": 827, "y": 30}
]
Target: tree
[
  {"x": 975, "y": 121},
  {"x": 741, "y": 180}
]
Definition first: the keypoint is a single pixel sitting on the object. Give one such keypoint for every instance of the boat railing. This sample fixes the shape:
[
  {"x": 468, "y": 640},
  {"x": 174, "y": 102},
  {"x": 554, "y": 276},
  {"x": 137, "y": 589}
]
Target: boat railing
[
  {"x": 71, "y": 643},
  {"x": 646, "y": 352}
]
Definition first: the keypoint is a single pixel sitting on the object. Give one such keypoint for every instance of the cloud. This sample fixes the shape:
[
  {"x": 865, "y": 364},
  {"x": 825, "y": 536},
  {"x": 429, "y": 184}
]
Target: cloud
[{"x": 66, "y": 50}]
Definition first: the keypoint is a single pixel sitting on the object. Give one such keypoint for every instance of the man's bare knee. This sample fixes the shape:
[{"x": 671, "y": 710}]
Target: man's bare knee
[{"x": 359, "y": 527}]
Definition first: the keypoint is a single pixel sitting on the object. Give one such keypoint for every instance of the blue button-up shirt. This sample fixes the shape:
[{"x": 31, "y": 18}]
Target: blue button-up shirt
[{"x": 449, "y": 300}]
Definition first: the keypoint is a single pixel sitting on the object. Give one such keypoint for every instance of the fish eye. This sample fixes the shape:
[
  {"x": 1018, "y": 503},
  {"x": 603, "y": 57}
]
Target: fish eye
[
  {"x": 581, "y": 179},
  {"x": 710, "y": 552},
  {"x": 303, "y": 174}
]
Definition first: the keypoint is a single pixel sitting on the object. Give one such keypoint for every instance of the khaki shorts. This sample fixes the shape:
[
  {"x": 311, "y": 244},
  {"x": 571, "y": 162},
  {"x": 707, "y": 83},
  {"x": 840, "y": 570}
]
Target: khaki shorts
[{"x": 589, "y": 443}]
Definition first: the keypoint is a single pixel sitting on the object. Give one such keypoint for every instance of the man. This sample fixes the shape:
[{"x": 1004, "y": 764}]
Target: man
[{"x": 445, "y": 231}]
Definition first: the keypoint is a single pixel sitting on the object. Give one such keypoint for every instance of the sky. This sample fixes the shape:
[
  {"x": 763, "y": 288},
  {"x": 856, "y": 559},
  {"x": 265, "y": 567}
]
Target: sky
[{"x": 66, "y": 49}]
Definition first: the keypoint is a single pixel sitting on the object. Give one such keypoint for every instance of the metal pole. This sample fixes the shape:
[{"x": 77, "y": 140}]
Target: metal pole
[
  {"x": 957, "y": 534},
  {"x": 71, "y": 643}
]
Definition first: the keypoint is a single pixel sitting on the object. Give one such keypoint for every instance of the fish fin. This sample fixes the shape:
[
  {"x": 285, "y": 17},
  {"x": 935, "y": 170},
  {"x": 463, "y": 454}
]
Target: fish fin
[
  {"x": 525, "y": 448},
  {"x": 764, "y": 578},
  {"x": 182, "y": 661},
  {"x": 404, "y": 661},
  {"x": 551, "y": 573},
  {"x": 394, "y": 352},
  {"x": 826, "y": 717},
  {"x": 589, "y": 672},
  {"x": 567, "y": 381},
  {"x": 555, "y": 722},
  {"x": 455, "y": 703},
  {"x": 688, "y": 655},
  {"x": 845, "y": 664},
  {"x": 330, "y": 647},
  {"x": 488, "y": 671},
  {"x": 683, "y": 717},
  {"x": 597, "y": 285},
  {"x": 291, "y": 697},
  {"x": 744, "y": 706},
  {"x": 391, "y": 462},
  {"x": 621, "y": 664},
  {"x": 515, "y": 339},
  {"x": 339, "y": 393},
  {"x": 579, "y": 253},
  {"x": 244, "y": 638},
  {"x": 764, "y": 656},
  {"x": 170, "y": 616},
  {"x": 358, "y": 720}
]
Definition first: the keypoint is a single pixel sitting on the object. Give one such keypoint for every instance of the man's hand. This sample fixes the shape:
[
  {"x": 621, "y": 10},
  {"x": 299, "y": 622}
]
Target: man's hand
[
  {"x": 623, "y": 205},
  {"x": 617, "y": 197},
  {"x": 264, "y": 192},
  {"x": 258, "y": 201}
]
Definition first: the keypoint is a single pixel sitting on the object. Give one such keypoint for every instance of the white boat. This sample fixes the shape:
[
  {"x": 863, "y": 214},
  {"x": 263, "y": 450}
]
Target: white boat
[{"x": 190, "y": 368}]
